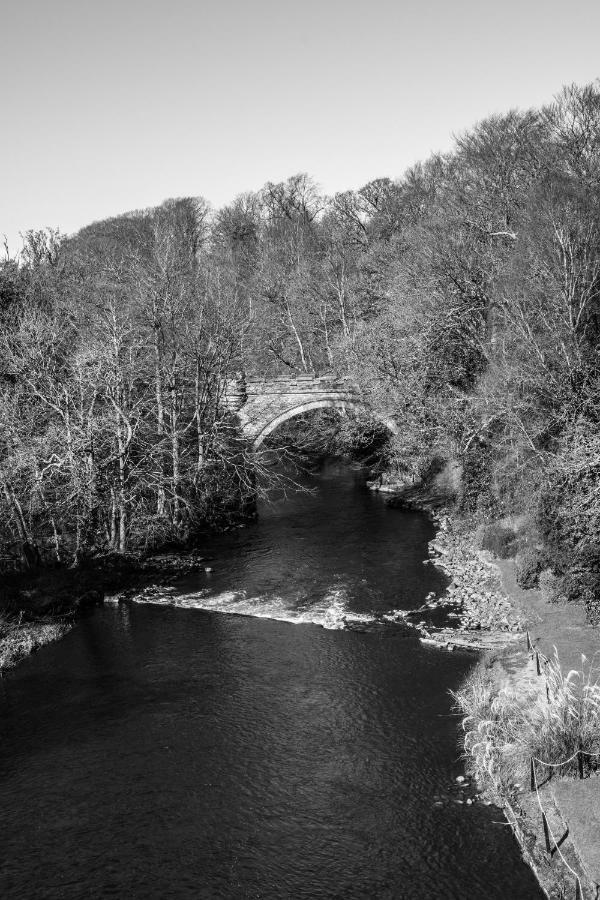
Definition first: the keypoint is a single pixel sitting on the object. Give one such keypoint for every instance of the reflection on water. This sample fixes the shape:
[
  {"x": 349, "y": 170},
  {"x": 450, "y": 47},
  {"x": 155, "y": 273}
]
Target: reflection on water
[{"x": 168, "y": 752}]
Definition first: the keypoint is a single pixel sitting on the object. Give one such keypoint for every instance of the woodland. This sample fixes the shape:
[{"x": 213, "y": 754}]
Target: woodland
[{"x": 463, "y": 296}]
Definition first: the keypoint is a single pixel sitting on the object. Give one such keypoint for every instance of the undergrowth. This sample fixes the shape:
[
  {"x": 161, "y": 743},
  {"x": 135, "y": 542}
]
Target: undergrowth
[
  {"x": 18, "y": 640},
  {"x": 504, "y": 729}
]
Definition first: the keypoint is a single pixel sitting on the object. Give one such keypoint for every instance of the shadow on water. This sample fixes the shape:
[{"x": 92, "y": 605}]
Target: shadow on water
[{"x": 162, "y": 752}]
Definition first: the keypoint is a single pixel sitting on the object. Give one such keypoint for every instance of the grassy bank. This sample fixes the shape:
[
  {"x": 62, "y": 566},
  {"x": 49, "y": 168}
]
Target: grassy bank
[
  {"x": 514, "y": 712},
  {"x": 552, "y": 720},
  {"x": 18, "y": 639}
]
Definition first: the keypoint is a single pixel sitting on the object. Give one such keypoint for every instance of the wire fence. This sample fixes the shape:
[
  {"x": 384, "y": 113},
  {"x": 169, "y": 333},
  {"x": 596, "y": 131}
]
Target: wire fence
[{"x": 552, "y": 844}]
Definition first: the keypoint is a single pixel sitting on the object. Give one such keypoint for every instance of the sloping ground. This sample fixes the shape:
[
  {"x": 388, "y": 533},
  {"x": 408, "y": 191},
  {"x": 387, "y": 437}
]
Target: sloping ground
[
  {"x": 579, "y": 803},
  {"x": 560, "y": 626},
  {"x": 483, "y": 617},
  {"x": 553, "y": 624},
  {"x": 19, "y": 640},
  {"x": 516, "y": 671}
]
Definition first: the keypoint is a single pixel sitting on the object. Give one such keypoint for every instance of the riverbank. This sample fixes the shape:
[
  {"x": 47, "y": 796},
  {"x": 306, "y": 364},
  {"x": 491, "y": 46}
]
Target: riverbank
[
  {"x": 18, "y": 640},
  {"x": 40, "y": 606},
  {"x": 484, "y": 617},
  {"x": 511, "y": 697}
]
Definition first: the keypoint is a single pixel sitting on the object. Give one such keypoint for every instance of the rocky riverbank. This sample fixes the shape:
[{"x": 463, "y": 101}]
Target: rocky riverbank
[{"x": 481, "y": 615}]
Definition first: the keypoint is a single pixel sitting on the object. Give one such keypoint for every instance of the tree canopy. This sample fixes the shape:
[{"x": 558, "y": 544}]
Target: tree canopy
[{"x": 465, "y": 297}]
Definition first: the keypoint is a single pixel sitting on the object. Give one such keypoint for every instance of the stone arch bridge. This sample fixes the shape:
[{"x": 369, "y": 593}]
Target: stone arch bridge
[{"x": 263, "y": 404}]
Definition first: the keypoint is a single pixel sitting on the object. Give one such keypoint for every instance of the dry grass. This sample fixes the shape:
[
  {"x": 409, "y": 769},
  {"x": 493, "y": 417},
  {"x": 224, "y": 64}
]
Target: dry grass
[
  {"x": 503, "y": 730},
  {"x": 18, "y": 640}
]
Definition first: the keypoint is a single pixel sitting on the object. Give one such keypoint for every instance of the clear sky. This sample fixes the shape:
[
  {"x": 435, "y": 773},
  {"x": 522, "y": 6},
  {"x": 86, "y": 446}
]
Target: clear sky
[{"x": 111, "y": 105}]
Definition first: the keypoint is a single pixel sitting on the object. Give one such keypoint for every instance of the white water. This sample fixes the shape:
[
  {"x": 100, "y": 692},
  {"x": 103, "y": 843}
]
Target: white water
[{"x": 330, "y": 612}]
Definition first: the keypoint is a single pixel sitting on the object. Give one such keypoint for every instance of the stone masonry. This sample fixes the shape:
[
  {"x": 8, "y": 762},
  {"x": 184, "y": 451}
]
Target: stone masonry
[{"x": 264, "y": 404}]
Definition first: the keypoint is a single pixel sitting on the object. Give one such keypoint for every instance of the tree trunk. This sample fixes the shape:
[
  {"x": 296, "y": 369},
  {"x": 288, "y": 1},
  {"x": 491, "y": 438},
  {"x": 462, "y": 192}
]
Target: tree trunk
[
  {"x": 160, "y": 420},
  {"x": 175, "y": 460},
  {"x": 29, "y": 551},
  {"x": 199, "y": 417}
]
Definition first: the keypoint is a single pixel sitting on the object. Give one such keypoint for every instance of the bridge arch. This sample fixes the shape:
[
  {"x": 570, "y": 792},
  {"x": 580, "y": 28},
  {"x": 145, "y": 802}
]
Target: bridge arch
[
  {"x": 307, "y": 406},
  {"x": 262, "y": 405}
]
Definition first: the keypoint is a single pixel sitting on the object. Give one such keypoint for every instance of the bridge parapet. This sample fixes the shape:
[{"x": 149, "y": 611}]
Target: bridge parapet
[
  {"x": 299, "y": 384},
  {"x": 262, "y": 404}
]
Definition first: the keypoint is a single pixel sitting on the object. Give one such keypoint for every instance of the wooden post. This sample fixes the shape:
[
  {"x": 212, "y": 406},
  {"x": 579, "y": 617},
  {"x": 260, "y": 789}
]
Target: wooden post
[
  {"x": 580, "y": 758},
  {"x": 546, "y": 834},
  {"x": 529, "y": 644},
  {"x": 578, "y": 891},
  {"x": 532, "y": 772},
  {"x": 537, "y": 663},
  {"x": 547, "y": 693}
]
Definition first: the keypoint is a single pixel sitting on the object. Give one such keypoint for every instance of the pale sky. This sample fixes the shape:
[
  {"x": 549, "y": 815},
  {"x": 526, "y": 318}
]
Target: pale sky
[{"x": 112, "y": 105}]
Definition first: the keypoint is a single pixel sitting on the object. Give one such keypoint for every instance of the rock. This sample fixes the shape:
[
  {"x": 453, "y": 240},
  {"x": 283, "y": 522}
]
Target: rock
[{"x": 460, "y": 779}]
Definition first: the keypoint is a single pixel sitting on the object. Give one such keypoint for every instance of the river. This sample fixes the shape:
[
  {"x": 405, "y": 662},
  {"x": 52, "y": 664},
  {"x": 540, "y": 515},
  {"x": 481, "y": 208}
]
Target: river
[{"x": 266, "y": 731}]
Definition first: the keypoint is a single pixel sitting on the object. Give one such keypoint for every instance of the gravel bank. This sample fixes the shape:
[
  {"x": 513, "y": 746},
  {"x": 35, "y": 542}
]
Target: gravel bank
[{"x": 483, "y": 616}]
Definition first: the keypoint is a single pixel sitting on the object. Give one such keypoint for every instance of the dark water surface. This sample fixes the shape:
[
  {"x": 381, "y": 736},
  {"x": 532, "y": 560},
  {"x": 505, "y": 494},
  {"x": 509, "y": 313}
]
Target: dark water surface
[{"x": 162, "y": 752}]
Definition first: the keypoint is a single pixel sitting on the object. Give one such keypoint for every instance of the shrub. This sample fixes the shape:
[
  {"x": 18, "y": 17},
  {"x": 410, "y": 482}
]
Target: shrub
[
  {"x": 582, "y": 585},
  {"x": 549, "y": 585},
  {"x": 529, "y": 563},
  {"x": 592, "y": 608},
  {"x": 476, "y": 496},
  {"x": 568, "y": 516},
  {"x": 499, "y": 540}
]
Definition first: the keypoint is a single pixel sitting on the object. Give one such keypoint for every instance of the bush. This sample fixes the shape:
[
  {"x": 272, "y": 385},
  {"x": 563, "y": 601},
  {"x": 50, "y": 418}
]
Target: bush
[
  {"x": 549, "y": 585},
  {"x": 569, "y": 516},
  {"x": 583, "y": 586},
  {"x": 477, "y": 494},
  {"x": 592, "y": 608},
  {"x": 499, "y": 540},
  {"x": 529, "y": 563}
]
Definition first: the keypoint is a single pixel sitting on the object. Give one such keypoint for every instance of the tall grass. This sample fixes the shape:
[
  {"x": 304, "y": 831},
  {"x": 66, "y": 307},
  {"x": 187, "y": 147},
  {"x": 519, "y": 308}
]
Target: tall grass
[{"x": 504, "y": 729}]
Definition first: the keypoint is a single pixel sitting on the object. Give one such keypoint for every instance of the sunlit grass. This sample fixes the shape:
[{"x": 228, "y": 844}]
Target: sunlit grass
[
  {"x": 18, "y": 640},
  {"x": 503, "y": 730}
]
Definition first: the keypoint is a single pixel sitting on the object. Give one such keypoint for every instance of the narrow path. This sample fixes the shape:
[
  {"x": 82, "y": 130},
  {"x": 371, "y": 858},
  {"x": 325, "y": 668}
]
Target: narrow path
[{"x": 560, "y": 627}]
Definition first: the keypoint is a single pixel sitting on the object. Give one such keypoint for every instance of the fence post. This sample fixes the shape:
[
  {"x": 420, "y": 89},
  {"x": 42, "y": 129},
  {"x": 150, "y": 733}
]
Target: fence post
[
  {"x": 532, "y": 772},
  {"x": 578, "y": 891},
  {"x": 529, "y": 644},
  {"x": 537, "y": 663},
  {"x": 580, "y": 758},
  {"x": 546, "y": 834}
]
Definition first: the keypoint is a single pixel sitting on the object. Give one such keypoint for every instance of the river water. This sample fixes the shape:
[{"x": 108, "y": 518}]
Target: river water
[{"x": 267, "y": 731}]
